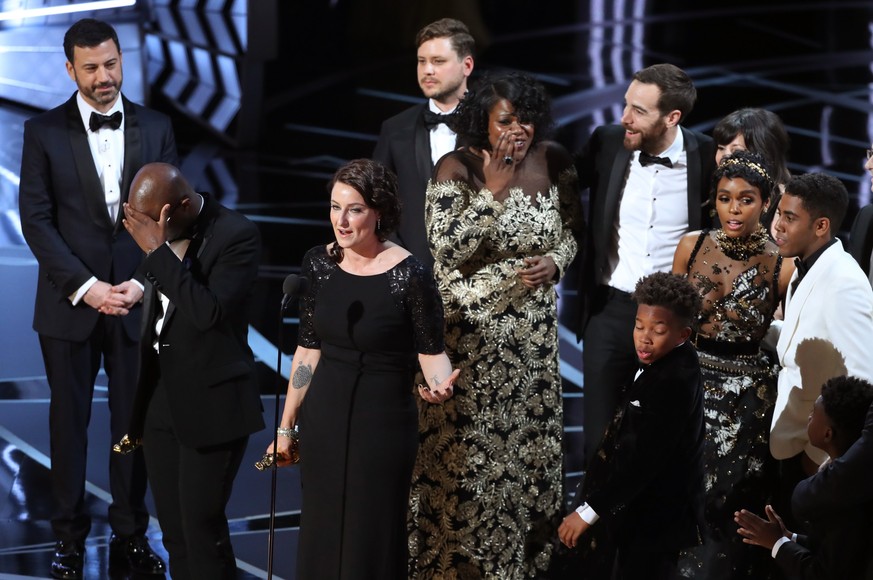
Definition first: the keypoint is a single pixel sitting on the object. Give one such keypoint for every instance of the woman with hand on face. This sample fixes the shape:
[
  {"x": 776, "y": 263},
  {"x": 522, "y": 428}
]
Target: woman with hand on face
[
  {"x": 371, "y": 308},
  {"x": 500, "y": 217},
  {"x": 741, "y": 277}
]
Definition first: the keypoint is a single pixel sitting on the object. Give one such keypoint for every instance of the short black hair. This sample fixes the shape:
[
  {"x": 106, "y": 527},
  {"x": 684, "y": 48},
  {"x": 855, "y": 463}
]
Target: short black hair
[
  {"x": 845, "y": 401},
  {"x": 378, "y": 186},
  {"x": 763, "y": 132},
  {"x": 822, "y": 195},
  {"x": 675, "y": 293},
  {"x": 87, "y": 33},
  {"x": 677, "y": 90},
  {"x": 528, "y": 97},
  {"x": 748, "y": 166}
]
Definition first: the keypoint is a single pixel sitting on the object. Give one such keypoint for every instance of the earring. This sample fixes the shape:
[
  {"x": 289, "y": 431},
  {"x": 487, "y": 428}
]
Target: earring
[{"x": 378, "y": 224}]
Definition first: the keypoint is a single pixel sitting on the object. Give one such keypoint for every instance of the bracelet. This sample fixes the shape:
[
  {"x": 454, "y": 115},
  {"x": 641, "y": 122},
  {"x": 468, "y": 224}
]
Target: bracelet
[{"x": 289, "y": 432}]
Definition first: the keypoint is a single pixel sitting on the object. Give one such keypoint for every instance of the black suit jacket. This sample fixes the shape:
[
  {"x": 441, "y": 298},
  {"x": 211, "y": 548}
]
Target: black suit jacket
[
  {"x": 205, "y": 361},
  {"x": 646, "y": 481},
  {"x": 837, "y": 547},
  {"x": 861, "y": 238},
  {"x": 404, "y": 148},
  {"x": 603, "y": 166},
  {"x": 841, "y": 486},
  {"x": 64, "y": 217}
]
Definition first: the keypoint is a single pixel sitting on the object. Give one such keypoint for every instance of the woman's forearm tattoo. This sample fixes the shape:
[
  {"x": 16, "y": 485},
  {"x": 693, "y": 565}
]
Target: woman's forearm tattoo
[{"x": 302, "y": 376}]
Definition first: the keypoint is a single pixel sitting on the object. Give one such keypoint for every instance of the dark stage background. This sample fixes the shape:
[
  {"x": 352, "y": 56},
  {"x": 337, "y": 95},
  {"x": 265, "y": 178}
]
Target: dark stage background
[{"x": 269, "y": 97}]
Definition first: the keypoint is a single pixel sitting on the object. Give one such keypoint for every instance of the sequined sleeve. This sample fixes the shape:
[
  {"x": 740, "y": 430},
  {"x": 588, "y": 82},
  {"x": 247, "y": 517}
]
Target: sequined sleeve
[
  {"x": 316, "y": 267},
  {"x": 572, "y": 220},
  {"x": 456, "y": 217},
  {"x": 413, "y": 287}
]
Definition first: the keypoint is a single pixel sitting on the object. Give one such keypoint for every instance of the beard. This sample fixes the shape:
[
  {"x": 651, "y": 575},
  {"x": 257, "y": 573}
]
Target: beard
[
  {"x": 94, "y": 94},
  {"x": 443, "y": 92},
  {"x": 649, "y": 140}
]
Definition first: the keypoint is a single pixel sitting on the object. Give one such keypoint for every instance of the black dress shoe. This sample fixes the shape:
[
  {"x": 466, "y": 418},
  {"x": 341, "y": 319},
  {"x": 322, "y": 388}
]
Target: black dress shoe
[
  {"x": 135, "y": 555},
  {"x": 68, "y": 560}
]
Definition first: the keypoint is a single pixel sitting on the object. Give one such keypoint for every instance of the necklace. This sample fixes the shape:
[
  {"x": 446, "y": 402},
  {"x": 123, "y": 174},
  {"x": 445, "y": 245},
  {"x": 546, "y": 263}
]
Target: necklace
[{"x": 741, "y": 249}]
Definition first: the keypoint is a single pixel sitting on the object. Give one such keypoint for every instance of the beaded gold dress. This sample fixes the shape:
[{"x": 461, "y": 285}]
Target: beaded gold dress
[
  {"x": 739, "y": 283},
  {"x": 487, "y": 485}
]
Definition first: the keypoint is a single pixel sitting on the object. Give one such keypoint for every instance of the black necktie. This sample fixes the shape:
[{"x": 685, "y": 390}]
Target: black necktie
[
  {"x": 432, "y": 119},
  {"x": 646, "y": 159},
  {"x": 97, "y": 121},
  {"x": 801, "y": 272}
]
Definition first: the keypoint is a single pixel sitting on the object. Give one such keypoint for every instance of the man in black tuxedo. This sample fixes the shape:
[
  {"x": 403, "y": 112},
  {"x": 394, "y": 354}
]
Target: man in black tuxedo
[
  {"x": 197, "y": 400},
  {"x": 648, "y": 182},
  {"x": 77, "y": 163},
  {"x": 411, "y": 142}
]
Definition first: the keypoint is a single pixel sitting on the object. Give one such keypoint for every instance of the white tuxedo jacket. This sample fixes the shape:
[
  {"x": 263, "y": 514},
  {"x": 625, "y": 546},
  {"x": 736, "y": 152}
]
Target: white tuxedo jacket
[{"x": 827, "y": 332}]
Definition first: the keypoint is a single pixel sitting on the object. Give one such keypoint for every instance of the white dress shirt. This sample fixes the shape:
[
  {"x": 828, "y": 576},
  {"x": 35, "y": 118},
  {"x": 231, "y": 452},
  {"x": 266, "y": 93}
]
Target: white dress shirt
[
  {"x": 442, "y": 139},
  {"x": 107, "y": 151},
  {"x": 652, "y": 218}
]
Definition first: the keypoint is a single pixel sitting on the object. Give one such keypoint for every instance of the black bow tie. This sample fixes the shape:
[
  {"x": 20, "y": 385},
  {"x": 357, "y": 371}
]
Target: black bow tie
[
  {"x": 646, "y": 159},
  {"x": 800, "y": 265},
  {"x": 97, "y": 121},
  {"x": 432, "y": 119}
]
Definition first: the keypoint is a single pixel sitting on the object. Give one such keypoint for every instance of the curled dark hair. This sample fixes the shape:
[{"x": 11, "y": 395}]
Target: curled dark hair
[
  {"x": 87, "y": 33},
  {"x": 528, "y": 97},
  {"x": 748, "y": 166},
  {"x": 675, "y": 293},
  {"x": 822, "y": 195},
  {"x": 763, "y": 133},
  {"x": 378, "y": 186},
  {"x": 677, "y": 90},
  {"x": 846, "y": 401}
]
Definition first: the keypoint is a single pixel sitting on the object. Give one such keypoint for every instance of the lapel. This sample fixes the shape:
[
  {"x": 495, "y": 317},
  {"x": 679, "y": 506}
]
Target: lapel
[
  {"x": 421, "y": 146},
  {"x": 695, "y": 197},
  {"x": 89, "y": 181},
  {"x": 132, "y": 153},
  {"x": 617, "y": 179},
  {"x": 200, "y": 239},
  {"x": 796, "y": 302}
]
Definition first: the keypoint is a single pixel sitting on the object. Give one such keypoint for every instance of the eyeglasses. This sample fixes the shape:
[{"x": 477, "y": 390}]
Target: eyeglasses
[{"x": 869, "y": 153}]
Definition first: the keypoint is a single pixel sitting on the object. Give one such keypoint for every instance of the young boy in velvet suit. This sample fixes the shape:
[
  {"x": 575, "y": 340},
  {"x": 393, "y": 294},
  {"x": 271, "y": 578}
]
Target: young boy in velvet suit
[{"x": 646, "y": 481}]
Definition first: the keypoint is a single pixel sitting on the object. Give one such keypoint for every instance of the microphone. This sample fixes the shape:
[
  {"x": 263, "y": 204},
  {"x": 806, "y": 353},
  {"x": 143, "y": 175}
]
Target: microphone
[{"x": 293, "y": 286}]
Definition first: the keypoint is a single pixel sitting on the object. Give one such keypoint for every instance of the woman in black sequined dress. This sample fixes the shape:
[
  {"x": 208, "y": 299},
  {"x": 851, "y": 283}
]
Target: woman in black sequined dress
[{"x": 741, "y": 278}]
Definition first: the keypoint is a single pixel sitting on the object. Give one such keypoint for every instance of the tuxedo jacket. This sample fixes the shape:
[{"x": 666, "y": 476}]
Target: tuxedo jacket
[
  {"x": 603, "y": 167},
  {"x": 861, "y": 240},
  {"x": 404, "y": 148},
  {"x": 842, "y": 486},
  {"x": 836, "y": 548},
  {"x": 205, "y": 362},
  {"x": 646, "y": 482},
  {"x": 826, "y": 332},
  {"x": 64, "y": 217}
]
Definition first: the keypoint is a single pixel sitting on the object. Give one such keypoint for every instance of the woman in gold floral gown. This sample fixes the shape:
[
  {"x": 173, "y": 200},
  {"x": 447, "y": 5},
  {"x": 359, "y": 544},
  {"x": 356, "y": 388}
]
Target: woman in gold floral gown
[
  {"x": 741, "y": 278},
  {"x": 500, "y": 217}
]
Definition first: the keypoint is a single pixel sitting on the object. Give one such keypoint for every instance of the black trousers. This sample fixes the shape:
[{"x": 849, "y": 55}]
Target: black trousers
[
  {"x": 632, "y": 563},
  {"x": 191, "y": 488},
  {"x": 609, "y": 361},
  {"x": 71, "y": 368}
]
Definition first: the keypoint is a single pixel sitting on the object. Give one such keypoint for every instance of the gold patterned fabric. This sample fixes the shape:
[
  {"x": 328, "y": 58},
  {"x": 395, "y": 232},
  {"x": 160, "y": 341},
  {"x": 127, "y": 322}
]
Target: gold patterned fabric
[{"x": 487, "y": 486}]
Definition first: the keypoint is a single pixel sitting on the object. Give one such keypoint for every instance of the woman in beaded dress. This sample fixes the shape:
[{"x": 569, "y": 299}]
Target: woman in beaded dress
[
  {"x": 371, "y": 308},
  {"x": 741, "y": 278},
  {"x": 500, "y": 217}
]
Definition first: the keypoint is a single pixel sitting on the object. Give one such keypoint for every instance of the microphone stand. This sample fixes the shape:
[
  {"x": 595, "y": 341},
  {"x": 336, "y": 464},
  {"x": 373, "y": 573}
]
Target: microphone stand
[{"x": 274, "y": 467}]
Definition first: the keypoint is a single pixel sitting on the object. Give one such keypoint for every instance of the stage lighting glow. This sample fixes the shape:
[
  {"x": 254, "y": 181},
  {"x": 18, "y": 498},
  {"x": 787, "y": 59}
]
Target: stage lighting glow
[{"x": 23, "y": 13}]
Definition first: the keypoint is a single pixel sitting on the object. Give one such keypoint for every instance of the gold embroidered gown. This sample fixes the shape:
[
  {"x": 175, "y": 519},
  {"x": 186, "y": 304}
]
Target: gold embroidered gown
[
  {"x": 739, "y": 295},
  {"x": 487, "y": 485}
]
